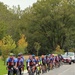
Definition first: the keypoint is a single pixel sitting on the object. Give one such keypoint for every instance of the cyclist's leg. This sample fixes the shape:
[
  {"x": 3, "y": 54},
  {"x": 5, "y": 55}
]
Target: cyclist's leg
[
  {"x": 19, "y": 70},
  {"x": 51, "y": 65},
  {"x": 8, "y": 72},
  {"x": 43, "y": 68}
]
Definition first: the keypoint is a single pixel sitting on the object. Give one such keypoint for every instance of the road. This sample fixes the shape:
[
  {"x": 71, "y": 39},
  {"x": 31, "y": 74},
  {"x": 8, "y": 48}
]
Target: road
[{"x": 63, "y": 70}]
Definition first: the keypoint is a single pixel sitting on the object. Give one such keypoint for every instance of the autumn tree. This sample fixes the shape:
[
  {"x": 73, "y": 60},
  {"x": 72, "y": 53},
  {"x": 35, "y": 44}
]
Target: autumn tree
[
  {"x": 21, "y": 45},
  {"x": 58, "y": 50}
]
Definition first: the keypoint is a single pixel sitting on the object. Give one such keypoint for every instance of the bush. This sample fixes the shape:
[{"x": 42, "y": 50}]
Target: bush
[{"x": 59, "y": 52}]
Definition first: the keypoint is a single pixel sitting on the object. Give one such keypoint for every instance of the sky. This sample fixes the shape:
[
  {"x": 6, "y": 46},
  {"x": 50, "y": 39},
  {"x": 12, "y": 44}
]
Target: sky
[{"x": 23, "y": 3}]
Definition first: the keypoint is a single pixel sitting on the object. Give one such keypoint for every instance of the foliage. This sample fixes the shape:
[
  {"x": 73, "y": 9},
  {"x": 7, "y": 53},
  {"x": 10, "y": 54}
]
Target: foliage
[
  {"x": 58, "y": 50},
  {"x": 48, "y": 22},
  {"x": 6, "y": 45},
  {"x": 3, "y": 29},
  {"x": 37, "y": 47},
  {"x": 21, "y": 45}
]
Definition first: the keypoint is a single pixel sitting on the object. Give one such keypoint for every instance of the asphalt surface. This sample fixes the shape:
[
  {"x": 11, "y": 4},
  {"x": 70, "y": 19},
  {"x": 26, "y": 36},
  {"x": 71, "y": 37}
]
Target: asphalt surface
[{"x": 65, "y": 69}]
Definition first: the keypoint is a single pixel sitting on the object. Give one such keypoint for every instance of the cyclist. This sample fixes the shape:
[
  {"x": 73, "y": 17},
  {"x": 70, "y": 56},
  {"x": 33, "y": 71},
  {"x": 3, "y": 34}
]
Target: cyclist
[
  {"x": 48, "y": 62},
  {"x": 23, "y": 60},
  {"x": 34, "y": 59},
  {"x": 20, "y": 63},
  {"x": 51, "y": 61},
  {"x": 43, "y": 63},
  {"x": 11, "y": 64},
  {"x": 38, "y": 68},
  {"x": 30, "y": 64},
  {"x": 57, "y": 61}
]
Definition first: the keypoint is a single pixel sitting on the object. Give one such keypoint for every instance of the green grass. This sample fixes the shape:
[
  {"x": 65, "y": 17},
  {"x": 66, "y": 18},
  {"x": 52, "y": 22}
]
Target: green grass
[
  {"x": 25, "y": 65},
  {"x": 2, "y": 68}
]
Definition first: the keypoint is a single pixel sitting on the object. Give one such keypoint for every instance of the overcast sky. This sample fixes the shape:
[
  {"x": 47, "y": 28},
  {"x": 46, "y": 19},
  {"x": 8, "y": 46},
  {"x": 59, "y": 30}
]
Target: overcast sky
[{"x": 23, "y": 3}]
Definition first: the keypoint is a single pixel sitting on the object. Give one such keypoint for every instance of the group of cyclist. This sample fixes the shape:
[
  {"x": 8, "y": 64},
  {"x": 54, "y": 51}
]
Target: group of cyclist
[
  {"x": 15, "y": 65},
  {"x": 34, "y": 63},
  {"x": 45, "y": 62}
]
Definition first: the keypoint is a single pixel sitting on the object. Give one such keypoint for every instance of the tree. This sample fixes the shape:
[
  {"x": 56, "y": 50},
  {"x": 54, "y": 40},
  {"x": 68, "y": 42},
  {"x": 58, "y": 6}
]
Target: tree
[
  {"x": 37, "y": 47},
  {"x": 3, "y": 29},
  {"x": 21, "y": 45},
  {"x": 6, "y": 45},
  {"x": 58, "y": 50},
  {"x": 53, "y": 21},
  {"x": 49, "y": 22}
]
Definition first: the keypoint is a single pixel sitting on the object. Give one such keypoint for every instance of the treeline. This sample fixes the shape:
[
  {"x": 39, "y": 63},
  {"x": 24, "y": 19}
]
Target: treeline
[{"x": 45, "y": 25}]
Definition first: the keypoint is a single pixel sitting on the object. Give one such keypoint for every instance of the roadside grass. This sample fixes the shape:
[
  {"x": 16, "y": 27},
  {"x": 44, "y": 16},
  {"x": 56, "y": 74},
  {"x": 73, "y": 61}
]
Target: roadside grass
[{"x": 3, "y": 70}]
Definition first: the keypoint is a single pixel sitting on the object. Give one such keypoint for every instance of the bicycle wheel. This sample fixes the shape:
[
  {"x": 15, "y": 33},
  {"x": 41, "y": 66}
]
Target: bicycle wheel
[
  {"x": 18, "y": 72},
  {"x": 30, "y": 72},
  {"x": 37, "y": 72}
]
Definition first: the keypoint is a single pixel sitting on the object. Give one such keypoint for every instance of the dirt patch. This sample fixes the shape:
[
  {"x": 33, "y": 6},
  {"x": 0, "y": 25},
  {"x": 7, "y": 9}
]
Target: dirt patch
[{"x": 26, "y": 56}]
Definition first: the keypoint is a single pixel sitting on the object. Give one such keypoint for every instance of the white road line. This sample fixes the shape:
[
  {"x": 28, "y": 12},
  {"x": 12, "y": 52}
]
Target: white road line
[{"x": 65, "y": 71}]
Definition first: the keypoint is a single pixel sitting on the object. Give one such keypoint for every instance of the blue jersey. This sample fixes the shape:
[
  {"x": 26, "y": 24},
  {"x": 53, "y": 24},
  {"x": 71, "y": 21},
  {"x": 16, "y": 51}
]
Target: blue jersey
[
  {"x": 30, "y": 62},
  {"x": 19, "y": 62},
  {"x": 34, "y": 61},
  {"x": 47, "y": 60},
  {"x": 11, "y": 61},
  {"x": 44, "y": 60},
  {"x": 51, "y": 59}
]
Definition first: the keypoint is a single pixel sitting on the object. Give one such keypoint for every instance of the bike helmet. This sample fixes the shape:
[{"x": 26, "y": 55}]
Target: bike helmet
[{"x": 11, "y": 54}]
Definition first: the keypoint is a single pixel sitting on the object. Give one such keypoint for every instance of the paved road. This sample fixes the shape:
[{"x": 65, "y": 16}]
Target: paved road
[{"x": 63, "y": 70}]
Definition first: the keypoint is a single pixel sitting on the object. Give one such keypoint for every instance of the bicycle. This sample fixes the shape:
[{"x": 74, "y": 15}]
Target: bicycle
[
  {"x": 14, "y": 71},
  {"x": 38, "y": 70},
  {"x": 11, "y": 72},
  {"x": 30, "y": 71}
]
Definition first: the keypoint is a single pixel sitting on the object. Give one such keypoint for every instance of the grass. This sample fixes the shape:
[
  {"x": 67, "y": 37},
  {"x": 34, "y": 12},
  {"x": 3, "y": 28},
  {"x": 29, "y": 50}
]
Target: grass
[{"x": 3, "y": 68}]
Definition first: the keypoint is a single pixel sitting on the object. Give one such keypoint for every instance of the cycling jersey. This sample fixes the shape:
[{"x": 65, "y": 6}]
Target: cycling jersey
[
  {"x": 11, "y": 61},
  {"x": 30, "y": 62},
  {"x": 34, "y": 61},
  {"x": 43, "y": 61},
  {"x": 19, "y": 62},
  {"x": 37, "y": 61},
  {"x": 47, "y": 60},
  {"x": 57, "y": 59}
]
